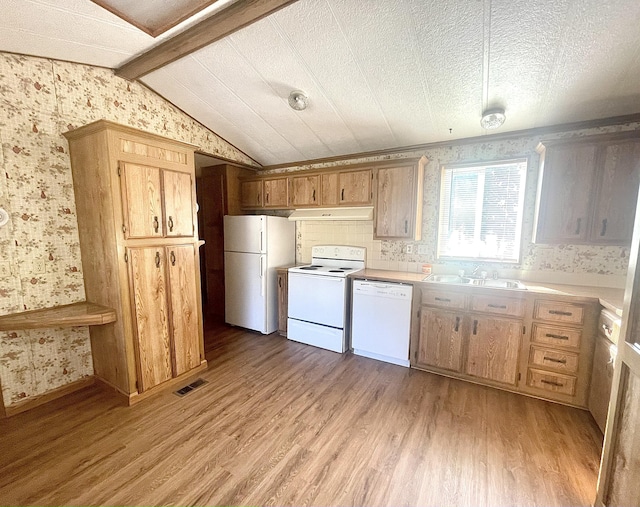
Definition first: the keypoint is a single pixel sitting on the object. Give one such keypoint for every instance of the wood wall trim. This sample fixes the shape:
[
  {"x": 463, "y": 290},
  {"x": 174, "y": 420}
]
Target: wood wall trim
[
  {"x": 54, "y": 394},
  {"x": 538, "y": 131},
  {"x": 227, "y": 21}
]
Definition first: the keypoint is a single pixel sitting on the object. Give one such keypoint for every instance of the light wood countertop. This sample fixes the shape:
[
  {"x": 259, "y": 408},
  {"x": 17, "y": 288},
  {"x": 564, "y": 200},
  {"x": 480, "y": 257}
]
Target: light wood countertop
[{"x": 610, "y": 298}]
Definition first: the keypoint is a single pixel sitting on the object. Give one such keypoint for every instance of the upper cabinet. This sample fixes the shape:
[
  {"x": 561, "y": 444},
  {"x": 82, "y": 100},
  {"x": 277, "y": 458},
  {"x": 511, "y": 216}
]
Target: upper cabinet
[
  {"x": 398, "y": 200},
  {"x": 276, "y": 192},
  {"x": 156, "y": 202},
  {"x": 588, "y": 189},
  {"x": 251, "y": 194},
  {"x": 305, "y": 190},
  {"x": 354, "y": 187}
]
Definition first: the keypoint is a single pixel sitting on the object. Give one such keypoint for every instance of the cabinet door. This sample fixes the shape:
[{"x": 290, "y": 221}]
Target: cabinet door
[
  {"x": 395, "y": 202},
  {"x": 251, "y": 194},
  {"x": 141, "y": 200},
  {"x": 566, "y": 192},
  {"x": 440, "y": 342},
  {"x": 178, "y": 203},
  {"x": 305, "y": 191},
  {"x": 617, "y": 193},
  {"x": 493, "y": 348},
  {"x": 355, "y": 187},
  {"x": 276, "y": 193},
  {"x": 330, "y": 195},
  {"x": 283, "y": 307},
  {"x": 153, "y": 347},
  {"x": 181, "y": 271}
]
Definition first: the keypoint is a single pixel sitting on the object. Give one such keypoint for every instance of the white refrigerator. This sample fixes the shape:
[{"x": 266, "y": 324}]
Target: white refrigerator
[{"x": 254, "y": 245}]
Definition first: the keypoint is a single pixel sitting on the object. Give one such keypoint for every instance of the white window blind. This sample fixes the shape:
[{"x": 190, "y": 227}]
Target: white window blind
[{"x": 481, "y": 209}]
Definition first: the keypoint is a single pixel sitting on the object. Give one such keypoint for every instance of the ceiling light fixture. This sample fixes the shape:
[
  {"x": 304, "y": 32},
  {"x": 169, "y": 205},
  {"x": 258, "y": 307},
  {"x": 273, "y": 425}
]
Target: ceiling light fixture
[
  {"x": 298, "y": 100},
  {"x": 492, "y": 119}
]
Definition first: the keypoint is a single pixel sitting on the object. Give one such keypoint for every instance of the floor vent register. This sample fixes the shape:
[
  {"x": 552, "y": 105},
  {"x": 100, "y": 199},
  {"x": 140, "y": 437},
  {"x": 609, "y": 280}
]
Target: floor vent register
[{"x": 188, "y": 388}]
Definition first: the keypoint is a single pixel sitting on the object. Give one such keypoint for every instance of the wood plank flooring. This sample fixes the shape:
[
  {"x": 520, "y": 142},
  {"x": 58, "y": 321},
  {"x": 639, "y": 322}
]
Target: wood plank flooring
[{"x": 281, "y": 423}]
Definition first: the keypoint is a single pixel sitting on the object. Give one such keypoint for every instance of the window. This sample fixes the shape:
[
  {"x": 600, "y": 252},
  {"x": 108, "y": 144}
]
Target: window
[{"x": 481, "y": 209}]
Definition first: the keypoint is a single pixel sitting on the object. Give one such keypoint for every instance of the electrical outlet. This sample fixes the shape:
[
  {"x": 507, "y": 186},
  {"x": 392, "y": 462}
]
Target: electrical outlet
[
  {"x": 38, "y": 266},
  {"x": 423, "y": 249},
  {"x": 5, "y": 269},
  {"x": 408, "y": 249}
]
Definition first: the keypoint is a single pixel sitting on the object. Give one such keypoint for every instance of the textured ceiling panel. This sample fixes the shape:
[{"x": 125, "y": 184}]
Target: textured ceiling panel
[
  {"x": 599, "y": 43},
  {"x": 518, "y": 73},
  {"x": 380, "y": 74}
]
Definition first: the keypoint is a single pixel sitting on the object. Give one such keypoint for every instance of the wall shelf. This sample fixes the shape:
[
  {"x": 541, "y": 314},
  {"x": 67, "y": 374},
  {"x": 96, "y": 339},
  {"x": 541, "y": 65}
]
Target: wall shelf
[{"x": 75, "y": 314}]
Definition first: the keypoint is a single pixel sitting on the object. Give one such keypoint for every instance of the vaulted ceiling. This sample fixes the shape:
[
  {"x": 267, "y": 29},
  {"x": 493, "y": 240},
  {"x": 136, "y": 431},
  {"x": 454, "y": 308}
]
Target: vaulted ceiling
[{"x": 379, "y": 74}]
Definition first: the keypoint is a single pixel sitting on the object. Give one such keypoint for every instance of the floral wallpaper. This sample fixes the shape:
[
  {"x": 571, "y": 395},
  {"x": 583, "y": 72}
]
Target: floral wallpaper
[
  {"x": 580, "y": 264},
  {"x": 39, "y": 247}
]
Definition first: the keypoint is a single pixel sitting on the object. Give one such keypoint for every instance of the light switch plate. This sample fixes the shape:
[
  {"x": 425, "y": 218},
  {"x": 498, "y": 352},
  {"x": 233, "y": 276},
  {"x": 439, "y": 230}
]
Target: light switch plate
[{"x": 38, "y": 266}]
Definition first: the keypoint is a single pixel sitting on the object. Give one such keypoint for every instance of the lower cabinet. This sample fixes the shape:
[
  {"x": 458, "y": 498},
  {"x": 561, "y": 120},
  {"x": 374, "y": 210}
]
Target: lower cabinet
[
  {"x": 440, "y": 342},
  {"x": 474, "y": 344},
  {"x": 165, "y": 318},
  {"x": 520, "y": 341},
  {"x": 494, "y": 346}
]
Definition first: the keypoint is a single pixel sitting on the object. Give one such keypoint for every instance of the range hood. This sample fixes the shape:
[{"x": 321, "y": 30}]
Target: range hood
[{"x": 342, "y": 213}]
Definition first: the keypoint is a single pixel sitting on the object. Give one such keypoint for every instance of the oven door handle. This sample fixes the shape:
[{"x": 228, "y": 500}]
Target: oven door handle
[{"x": 336, "y": 279}]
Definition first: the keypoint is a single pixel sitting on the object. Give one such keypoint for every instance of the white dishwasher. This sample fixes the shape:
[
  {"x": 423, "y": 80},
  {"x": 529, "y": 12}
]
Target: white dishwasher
[{"x": 381, "y": 320}]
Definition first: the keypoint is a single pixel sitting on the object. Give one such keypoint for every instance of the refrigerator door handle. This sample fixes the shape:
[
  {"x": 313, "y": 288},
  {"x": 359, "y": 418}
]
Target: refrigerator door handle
[
  {"x": 261, "y": 241},
  {"x": 262, "y": 275}
]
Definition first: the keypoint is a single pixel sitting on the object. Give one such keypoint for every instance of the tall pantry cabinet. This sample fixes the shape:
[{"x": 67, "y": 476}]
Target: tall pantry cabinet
[{"x": 136, "y": 205}]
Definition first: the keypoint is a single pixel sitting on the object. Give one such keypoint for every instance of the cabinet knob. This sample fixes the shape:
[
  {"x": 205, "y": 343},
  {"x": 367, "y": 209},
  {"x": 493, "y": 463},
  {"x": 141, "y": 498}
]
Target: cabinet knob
[
  {"x": 342, "y": 195},
  {"x": 314, "y": 195},
  {"x": 157, "y": 259},
  {"x": 156, "y": 224},
  {"x": 173, "y": 258},
  {"x": 170, "y": 224}
]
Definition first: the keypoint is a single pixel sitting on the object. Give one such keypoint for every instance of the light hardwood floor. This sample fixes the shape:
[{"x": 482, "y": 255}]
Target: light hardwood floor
[{"x": 280, "y": 423}]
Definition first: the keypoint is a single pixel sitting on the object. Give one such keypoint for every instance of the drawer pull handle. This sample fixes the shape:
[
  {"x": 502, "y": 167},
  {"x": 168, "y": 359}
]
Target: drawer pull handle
[
  {"x": 314, "y": 195},
  {"x": 173, "y": 258},
  {"x": 457, "y": 326},
  {"x": 552, "y": 383},
  {"x": 604, "y": 227},
  {"x": 156, "y": 224},
  {"x": 560, "y": 312},
  {"x": 444, "y": 300},
  {"x": 556, "y": 336},
  {"x": 553, "y": 360},
  {"x": 502, "y": 307},
  {"x": 170, "y": 224},
  {"x": 342, "y": 195},
  {"x": 157, "y": 259},
  {"x": 475, "y": 327},
  {"x": 578, "y": 223}
]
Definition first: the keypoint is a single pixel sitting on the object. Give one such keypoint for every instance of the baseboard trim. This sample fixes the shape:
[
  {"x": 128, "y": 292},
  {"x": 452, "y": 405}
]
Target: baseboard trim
[
  {"x": 54, "y": 394},
  {"x": 182, "y": 379}
]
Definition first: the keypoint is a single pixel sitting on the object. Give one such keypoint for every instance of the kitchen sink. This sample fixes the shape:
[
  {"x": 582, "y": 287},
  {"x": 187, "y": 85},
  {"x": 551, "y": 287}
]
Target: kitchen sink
[
  {"x": 499, "y": 283},
  {"x": 455, "y": 279}
]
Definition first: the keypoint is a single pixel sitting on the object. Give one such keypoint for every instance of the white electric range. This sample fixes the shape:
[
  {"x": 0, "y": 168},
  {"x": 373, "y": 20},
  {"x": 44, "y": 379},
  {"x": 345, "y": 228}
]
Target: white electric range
[{"x": 319, "y": 297}]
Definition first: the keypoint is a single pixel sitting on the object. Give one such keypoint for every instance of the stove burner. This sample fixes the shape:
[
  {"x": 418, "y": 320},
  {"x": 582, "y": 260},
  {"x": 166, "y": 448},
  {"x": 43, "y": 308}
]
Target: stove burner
[
  {"x": 311, "y": 268},
  {"x": 345, "y": 269},
  {"x": 336, "y": 270}
]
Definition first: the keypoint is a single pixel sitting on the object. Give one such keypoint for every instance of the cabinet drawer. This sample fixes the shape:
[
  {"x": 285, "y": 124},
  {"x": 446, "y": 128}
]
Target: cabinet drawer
[
  {"x": 556, "y": 359},
  {"x": 443, "y": 299},
  {"x": 499, "y": 305},
  {"x": 555, "y": 382},
  {"x": 558, "y": 336},
  {"x": 559, "y": 312}
]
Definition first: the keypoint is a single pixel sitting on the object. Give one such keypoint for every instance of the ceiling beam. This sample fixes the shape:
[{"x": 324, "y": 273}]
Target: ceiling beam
[{"x": 230, "y": 19}]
